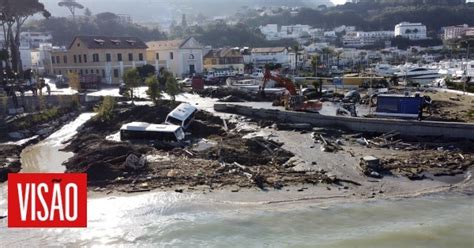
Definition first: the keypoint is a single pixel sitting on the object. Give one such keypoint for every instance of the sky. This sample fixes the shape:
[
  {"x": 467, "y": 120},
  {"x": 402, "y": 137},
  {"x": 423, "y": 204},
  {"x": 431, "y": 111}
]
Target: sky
[{"x": 338, "y": 1}]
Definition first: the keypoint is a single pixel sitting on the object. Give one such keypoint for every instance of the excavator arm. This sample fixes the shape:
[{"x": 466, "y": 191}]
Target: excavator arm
[{"x": 282, "y": 81}]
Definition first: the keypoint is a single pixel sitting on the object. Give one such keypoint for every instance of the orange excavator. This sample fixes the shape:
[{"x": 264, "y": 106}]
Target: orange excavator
[{"x": 292, "y": 100}]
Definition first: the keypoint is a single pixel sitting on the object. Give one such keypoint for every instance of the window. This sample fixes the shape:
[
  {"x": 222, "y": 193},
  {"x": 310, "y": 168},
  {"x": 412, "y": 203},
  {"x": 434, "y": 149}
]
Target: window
[
  {"x": 78, "y": 44},
  {"x": 171, "y": 55},
  {"x": 57, "y": 60},
  {"x": 130, "y": 57},
  {"x": 54, "y": 72},
  {"x": 108, "y": 57},
  {"x": 80, "y": 58},
  {"x": 53, "y": 60},
  {"x": 119, "y": 57},
  {"x": 97, "y": 71},
  {"x": 75, "y": 59},
  {"x": 116, "y": 73},
  {"x": 157, "y": 56},
  {"x": 80, "y": 71},
  {"x": 140, "y": 56},
  {"x": 103, "y": 73},
  {"x": 87, "y": 71},
  {"x": 95, "y": 57},
  {"x": 65, "y": 59},
  {"x": 85, "y": 58}
]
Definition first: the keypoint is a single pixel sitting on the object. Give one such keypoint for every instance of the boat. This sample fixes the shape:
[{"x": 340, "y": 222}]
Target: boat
[
  {"x": 420, "y": 75},
  {"x": 385, "y": 70}
]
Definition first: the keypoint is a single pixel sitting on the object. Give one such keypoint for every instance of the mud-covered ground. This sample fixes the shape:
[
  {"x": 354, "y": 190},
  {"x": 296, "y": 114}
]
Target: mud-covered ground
[{"x": 217, "y": 156}]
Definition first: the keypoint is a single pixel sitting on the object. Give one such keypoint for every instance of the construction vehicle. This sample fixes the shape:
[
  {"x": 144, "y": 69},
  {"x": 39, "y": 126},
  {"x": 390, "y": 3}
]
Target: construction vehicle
[{"x": 292, "y": 100}]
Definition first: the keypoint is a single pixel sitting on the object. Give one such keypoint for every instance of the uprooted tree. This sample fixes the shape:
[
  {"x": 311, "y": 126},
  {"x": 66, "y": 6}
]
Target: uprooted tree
[{"x": 13, "y": 14}]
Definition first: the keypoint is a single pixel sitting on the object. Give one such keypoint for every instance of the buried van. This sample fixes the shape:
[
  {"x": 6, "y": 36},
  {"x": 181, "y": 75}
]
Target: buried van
[{"x": 182, "y": 115}]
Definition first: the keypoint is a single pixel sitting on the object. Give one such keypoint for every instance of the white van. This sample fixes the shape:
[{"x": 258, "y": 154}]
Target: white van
[
  {"x": 182, "y": 115},
  {"x": 147, "y": 131}
]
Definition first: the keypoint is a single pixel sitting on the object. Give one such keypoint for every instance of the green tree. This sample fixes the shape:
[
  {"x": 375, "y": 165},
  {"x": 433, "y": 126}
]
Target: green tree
[
  {"x": 146, "y": 70},
  {"x": 172, "y": 87},
  {"x": 74, "y": 81},
  {"x": 153, "y": 90},
  {"x": 13, "y": 15},
  {"x": 131, "y": 77},
  {"x": 87, "y": 12},
  {"x": 105, "y": 109},
  {"x": 71, "y": 5}
]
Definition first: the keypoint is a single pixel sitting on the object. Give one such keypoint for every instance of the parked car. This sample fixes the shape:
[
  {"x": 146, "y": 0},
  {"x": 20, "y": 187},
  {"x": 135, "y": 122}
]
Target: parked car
[
  {"x": 187, "y": 82},
  {"x": 352, "y": 96},
  {"x": 61, "y": 81}
]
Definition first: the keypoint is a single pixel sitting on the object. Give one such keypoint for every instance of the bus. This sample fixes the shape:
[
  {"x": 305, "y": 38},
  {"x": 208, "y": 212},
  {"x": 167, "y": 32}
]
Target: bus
[{"x": 155, "y": 132}]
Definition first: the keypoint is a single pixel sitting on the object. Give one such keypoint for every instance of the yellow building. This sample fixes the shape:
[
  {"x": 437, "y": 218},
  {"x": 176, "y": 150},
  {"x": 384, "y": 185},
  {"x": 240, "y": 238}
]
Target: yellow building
[
  {"x": 224, "y": 59},
  {"x": 107, "y": 57}
]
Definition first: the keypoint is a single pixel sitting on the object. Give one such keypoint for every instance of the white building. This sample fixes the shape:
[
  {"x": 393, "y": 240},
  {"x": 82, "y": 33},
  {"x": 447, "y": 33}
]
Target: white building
[
  {"x": 41, "y": 57},
  {"x": 266, "y": 55},
  {"x": 361, "y": 39},
  {"x": 182, "y": 57},
  {"x": 273, "y": 32},
  {"x": 331, "y": 34},
  {"x": 36, "y": 38},
  {"x": 412, "y": 31},
  {"x": 301, "y": 59},
  {"x": 25, "y": 54},
  {"x": 454, "y": 32}
]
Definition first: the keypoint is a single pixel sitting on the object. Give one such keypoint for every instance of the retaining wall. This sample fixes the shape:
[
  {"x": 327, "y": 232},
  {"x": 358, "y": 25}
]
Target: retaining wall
[{"x": 404, "y": 127}]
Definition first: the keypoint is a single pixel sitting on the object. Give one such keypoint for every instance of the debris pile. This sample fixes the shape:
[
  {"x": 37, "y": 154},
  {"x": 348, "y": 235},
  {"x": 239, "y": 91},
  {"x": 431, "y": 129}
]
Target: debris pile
[
  {"x": 390, "y": 140},
  {"x": 327, "y": 145},
  {"x": 228, "y": 94},
  {"x": 9, "y": 160},
  {"x": 105, "y": 160},
  {"x": 251, "y": 152},
  {"x": 422, "y": 163}
]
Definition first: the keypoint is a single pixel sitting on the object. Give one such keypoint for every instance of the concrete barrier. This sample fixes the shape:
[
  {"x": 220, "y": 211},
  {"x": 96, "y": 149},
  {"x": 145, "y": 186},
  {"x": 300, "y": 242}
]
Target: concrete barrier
[{"x": 404, "y": 127}]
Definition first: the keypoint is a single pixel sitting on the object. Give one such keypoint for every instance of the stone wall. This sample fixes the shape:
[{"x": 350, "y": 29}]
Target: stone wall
[{"x": 404, "y": 127}]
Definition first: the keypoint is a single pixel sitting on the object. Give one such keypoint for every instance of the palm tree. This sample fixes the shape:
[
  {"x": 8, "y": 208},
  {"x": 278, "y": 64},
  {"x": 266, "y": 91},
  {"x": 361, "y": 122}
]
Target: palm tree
[{"x": 314, "y": 64}]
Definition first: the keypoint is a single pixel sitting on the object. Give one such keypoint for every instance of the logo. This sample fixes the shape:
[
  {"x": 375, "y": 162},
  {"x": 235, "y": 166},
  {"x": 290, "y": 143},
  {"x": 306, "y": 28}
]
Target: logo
[{"x": 47, "y": 200}]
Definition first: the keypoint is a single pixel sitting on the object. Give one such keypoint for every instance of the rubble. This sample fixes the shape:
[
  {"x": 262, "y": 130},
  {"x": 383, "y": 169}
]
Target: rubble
[
  {"x": 422, "y": 163},
  {"x": 229, "y": 94},
  {"x": 9, "y": 160}
]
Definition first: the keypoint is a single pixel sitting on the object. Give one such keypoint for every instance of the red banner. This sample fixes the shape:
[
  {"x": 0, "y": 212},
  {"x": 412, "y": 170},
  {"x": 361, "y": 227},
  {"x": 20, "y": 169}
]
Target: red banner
[{"x": 44, "y": 200}]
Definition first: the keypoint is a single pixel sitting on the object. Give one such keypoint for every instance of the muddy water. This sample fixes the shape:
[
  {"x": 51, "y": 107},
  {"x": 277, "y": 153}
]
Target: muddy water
[
  {"x": 182, "y": 220},
  {"x": 187, "y": 220},
  {"x": 45, "y": 156}
]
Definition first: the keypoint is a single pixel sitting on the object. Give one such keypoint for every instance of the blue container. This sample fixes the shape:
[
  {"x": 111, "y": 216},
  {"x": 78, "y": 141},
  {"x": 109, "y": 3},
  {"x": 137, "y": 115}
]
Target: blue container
[{"x": 399, "y": 106}]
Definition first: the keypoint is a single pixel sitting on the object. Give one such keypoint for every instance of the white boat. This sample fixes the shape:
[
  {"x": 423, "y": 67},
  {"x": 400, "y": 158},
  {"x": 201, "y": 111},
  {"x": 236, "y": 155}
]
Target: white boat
[
  {"x": 385, "y": 70},
  {"x": 417, "y": 74}
]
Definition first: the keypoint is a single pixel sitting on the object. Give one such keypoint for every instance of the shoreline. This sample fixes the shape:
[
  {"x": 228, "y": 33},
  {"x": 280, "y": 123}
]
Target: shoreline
[{"x": 291, "y": 195}]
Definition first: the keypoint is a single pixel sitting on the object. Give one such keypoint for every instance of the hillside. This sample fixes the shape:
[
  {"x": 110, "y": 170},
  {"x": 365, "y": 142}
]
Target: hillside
[{"x": 380, "y": 14}]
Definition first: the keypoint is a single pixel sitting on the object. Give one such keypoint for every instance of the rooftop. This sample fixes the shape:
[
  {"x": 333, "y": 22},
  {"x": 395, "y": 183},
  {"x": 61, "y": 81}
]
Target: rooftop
[
  {"x": 183, "y": 111},
  {"x": 148, "y": 127},
  {"x": 110, "y": 42},
  {"x": 268, "y": 50}
]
